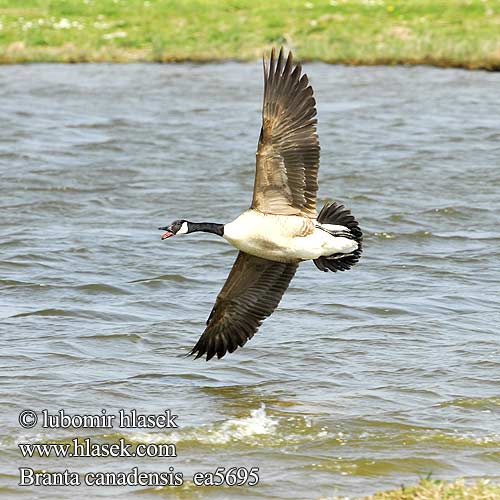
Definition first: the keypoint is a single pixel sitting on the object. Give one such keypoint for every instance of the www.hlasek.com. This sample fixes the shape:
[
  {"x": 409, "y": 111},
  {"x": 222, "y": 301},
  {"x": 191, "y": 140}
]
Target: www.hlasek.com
[{"x": 89, "y": 448}]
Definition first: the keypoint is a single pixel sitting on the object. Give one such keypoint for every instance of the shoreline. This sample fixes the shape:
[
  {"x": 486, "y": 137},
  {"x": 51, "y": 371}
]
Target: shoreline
[
  {"x": 432, "y": 489},
  {"x": 441, "y": 33},
  {"x": 63, "y": 55}
]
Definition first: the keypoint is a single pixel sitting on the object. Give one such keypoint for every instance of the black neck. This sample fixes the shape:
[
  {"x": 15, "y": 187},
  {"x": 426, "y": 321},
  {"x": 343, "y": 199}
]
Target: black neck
[{"x": 206, "y": 227}]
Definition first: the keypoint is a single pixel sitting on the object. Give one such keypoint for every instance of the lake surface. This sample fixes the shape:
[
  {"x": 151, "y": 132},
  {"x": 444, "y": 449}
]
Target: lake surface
[{"x": 360, "y": 381}]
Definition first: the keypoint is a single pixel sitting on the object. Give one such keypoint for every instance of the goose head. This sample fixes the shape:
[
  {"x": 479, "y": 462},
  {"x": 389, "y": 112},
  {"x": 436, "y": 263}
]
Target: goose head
[{"x": 177, "y": 227}]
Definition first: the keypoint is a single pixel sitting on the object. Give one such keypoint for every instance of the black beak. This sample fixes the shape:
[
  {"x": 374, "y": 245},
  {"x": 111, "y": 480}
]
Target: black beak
[{"x": 163, "y": 228}]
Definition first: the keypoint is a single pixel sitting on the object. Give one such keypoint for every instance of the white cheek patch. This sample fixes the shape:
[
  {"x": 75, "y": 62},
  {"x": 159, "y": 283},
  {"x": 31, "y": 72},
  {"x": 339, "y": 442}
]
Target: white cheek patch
[{"x": 184, "y": 228}]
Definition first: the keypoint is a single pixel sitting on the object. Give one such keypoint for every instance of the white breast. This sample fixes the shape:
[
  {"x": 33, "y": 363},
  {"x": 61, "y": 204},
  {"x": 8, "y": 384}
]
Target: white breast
[{"x": 277, "y": 237}]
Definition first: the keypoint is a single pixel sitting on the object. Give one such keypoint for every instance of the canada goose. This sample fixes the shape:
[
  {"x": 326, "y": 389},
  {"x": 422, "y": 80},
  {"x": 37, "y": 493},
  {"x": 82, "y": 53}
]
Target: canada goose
[{"x": 281, "y": 228}]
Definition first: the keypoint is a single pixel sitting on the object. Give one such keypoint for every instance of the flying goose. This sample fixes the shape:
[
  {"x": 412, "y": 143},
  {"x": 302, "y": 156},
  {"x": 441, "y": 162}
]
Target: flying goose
[{"x": 281, "y": 228}]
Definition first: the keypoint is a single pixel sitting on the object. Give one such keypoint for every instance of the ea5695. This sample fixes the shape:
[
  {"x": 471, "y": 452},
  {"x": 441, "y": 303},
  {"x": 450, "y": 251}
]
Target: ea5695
[{"x": 234, "y": 476}]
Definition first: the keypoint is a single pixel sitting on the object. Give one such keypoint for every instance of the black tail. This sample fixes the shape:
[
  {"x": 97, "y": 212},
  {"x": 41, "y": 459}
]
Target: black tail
[{"x": 334, "y": 213}]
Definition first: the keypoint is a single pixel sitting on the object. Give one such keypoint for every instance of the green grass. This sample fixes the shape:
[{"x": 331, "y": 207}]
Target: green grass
[
  {"x": 441, "y": 490},
  {"x": 461, "y": 33}
]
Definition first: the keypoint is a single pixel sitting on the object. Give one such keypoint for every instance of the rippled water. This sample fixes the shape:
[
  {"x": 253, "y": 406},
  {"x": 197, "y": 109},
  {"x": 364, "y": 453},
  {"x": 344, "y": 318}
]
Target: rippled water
[{"x": 359, "y": 381}]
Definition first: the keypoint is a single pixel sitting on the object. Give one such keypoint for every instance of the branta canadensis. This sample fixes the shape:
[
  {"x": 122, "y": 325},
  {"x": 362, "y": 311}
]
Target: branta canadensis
[{"x": 281, "y": 228}]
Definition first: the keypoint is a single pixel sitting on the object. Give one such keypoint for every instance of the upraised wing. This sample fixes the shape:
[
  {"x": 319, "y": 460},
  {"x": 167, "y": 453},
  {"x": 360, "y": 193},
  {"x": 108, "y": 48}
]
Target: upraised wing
[
  {"x": 251, "y": 293},
  {"x": 286, "y": 179}
]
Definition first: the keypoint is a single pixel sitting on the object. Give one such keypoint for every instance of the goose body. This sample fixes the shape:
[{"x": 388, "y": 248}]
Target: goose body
[
  {"x": 282, "y": 227},
  {"x": 286, "y": 238}
]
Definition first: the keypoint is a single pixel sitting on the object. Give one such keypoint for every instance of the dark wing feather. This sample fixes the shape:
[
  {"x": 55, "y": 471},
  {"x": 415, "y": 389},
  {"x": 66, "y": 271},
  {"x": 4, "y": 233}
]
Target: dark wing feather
[
  {"x": 286, "y": 179},
  {"x": 251, "y": 293}
]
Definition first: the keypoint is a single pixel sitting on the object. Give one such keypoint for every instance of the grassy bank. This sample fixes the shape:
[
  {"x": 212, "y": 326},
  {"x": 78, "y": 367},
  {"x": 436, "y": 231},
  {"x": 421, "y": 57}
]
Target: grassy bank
[
  {"x": 460, "y": 33},
  {"x": 440, "y": 490}
]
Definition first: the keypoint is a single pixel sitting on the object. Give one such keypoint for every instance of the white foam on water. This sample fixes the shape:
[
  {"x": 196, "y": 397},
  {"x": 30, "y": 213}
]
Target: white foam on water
[
  {"x": 257, "y": 424},
  {"x": 251, "y": 428}
]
